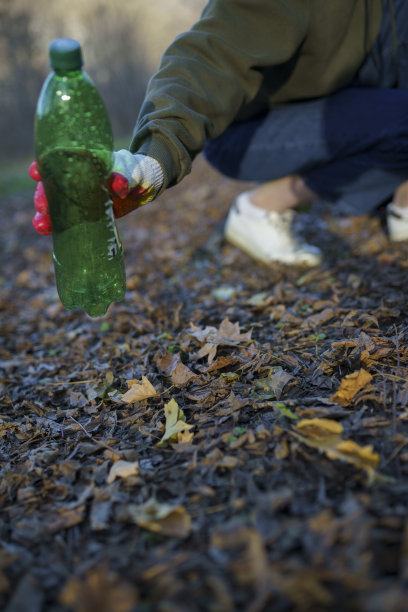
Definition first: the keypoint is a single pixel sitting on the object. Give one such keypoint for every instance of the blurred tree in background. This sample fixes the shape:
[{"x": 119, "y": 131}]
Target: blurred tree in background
[{"x": 122, "y": 42}]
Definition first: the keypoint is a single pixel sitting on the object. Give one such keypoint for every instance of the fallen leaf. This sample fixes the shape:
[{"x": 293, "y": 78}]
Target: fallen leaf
[
  {"x": 217, "y": 459},
  {"x": 272, "y": 386},
  {"x": 362, "y": 456},
  {"x": 350, "y": 386},
  {"x": 172, "y": 521},
  {"x": 175, "y": 423},
  {"x": 169, "y": 362},
  {"x": 180, "y": 373},
  {"x": 228, "y": 334},
  {"x": 278, "y": 380},
  {"x": 319, "y": 318},
  {"x": 184, "y": 437},
  {"x": 325, "y": 435},
  {"x": 260, "y": 300},
  {"x": 320, "y": 429},
  {"x": 123, "y": 469},
  {"x": 221, "y": 362},
  {"x": 138, "y": 391},
  {"x": 67, "y": 517}
]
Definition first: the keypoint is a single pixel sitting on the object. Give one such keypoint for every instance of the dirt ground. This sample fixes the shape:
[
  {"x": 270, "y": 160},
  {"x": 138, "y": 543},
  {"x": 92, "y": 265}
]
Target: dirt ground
[{"x": 230, "y": 437}]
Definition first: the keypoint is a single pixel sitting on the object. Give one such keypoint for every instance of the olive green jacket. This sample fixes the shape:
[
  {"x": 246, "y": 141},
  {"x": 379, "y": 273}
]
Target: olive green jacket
[{"x": 245, "y": 56}]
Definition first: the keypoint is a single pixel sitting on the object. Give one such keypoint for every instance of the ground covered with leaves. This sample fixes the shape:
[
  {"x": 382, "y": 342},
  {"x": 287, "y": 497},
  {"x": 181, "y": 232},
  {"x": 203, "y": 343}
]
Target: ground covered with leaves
[{"x": 230, "y": 437}]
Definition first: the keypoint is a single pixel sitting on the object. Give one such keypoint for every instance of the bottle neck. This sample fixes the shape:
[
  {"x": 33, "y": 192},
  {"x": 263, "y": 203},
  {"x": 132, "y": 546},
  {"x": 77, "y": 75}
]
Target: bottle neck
[{"x": 67, "y": 73}]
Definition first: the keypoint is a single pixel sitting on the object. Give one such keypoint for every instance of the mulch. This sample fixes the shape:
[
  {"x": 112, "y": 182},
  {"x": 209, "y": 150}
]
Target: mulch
[{"x": 230, "y": 437}]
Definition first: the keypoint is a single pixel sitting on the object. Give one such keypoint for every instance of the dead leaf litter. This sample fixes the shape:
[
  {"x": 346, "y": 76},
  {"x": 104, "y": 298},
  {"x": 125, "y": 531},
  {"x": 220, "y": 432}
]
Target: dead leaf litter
[{"x": 230, "y": 437}]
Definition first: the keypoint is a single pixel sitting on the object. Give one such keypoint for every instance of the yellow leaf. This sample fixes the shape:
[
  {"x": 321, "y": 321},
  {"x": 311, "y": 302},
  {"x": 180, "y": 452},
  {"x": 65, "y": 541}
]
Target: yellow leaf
[
  {"x": 325, "y": 435},
  {"x": 362, "y": 456},
  {"x": 123, "y": 469},
  {"x": 173, "y": 521},
  {"x": 185, "y": 437},
  {"x": 320, "y": 432},
  {"x": 350, "y": 385},
  {"x": 175, "y": 423},
  {"x": 138, "y": 392},
  {"x": 173, "y": 413}
]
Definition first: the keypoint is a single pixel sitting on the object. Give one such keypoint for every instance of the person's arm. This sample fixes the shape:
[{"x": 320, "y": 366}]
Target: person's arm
[{"x": 210, "y": 73}]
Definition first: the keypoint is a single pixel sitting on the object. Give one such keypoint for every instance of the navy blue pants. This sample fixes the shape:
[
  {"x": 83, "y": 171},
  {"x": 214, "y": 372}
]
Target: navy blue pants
[{"x": 351, "y": 147}]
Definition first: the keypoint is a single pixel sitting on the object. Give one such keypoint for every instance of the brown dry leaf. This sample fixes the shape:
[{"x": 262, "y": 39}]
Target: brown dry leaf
[
  {"x": 99, "y": 590},
  {"x": 175, "y": 423},
  {"x": 217, "y": 459},
  {"x": 319, "y": 318},
  {"x": 172, "y": 521},
  {"x": 368, "y": 349},
  {"x": 221, "y": 362},
  {"x": 138, "y": 391},
  {"x": 123, "y": 469},
  {"x": 180, "y": 373},
  {"x": 376, "y": 349},
  {"x": 228, "y": 334},
  {"x": 350, "y": 386},
  {"x": 67, "y": 517},
  {"x": 209, "y": 350},
  {"x": 272, "y": 386},
  {"x": 278, "y": 380},
  {"x": 168, "y": 362}
]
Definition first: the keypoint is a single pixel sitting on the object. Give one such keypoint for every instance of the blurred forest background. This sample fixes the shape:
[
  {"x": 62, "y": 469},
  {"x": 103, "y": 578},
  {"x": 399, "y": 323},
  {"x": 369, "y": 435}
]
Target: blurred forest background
[{"x": 122, "y": 43}]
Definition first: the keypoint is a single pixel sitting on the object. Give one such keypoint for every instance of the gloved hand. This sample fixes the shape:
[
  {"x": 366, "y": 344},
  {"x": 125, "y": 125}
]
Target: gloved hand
[{"x": 135, "y": 180}]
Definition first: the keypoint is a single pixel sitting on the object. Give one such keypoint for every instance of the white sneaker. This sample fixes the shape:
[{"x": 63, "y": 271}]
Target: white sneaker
[
  {"x": 267, "y": 236},
  {"x": 397, "y": 222}
]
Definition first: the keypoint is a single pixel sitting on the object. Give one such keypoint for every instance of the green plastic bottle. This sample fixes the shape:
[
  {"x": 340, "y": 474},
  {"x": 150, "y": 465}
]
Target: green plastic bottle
[{"x": 74, "y": 152}]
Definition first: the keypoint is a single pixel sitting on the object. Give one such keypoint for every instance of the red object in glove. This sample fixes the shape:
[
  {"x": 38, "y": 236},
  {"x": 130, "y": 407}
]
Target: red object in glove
[
  {"x": 40, "y": 200},
  {"x": 118, "y": 184},
  {"x": 42, "y": 219},
  {"x": 42, "y": 224},
  {"x": 33, "y": 171},
  {"x": 124, "y": 201}
]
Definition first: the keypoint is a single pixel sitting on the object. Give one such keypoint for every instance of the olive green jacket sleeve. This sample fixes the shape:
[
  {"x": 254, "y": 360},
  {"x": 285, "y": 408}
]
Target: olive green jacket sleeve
[{"x": 243, "y": 56}]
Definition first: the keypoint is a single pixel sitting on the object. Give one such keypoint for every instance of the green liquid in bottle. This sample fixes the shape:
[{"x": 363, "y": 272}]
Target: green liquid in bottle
[{"x": 74, "y": 150}]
